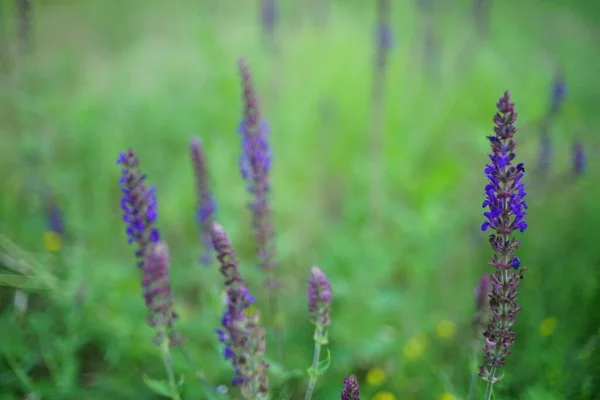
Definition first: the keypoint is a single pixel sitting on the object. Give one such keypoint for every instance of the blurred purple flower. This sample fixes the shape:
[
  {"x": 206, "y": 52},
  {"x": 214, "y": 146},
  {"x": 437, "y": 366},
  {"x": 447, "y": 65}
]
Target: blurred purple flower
[
  {"x": 242, "y": 334},
  {"x": 255, "y": 164},
  {"x": 504, "y": 197},
  {"x": 55, "y": 216},
  {"x": 139, "y": 206},
  {"x": 319, "y": 297},
  {"x": 206, "y": 202},
  {"x": 351, "y": 389},
  {"x": 384, "y": 33},
  {"x": 558, "y": 93},
  {"x": 157, "y": 293},
  {"x": 579, "y": 159}
]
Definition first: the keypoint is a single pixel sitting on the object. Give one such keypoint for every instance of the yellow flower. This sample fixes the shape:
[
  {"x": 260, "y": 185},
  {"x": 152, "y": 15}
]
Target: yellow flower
[
  {"x": 415, "y": 347},
  {"x": 447, "y": 396},
  {"x": 376, "y": 376},
  {"x": 52, "y": 241},
  {"x": 385, "y": 395},
  {"x": 251, "y": 310},
  {"x": 548, "y": 326},
  {"x": 446, "y": 329}
]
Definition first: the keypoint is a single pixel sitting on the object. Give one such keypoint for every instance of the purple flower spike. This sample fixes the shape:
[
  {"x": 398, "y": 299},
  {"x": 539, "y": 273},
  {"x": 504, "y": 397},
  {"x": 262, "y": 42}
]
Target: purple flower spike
[
  {"x": 319, "y": 297},
  {"x": 206, "y": 203},
  {"x": 384, "y": 33},
  {"x": 242, "y": 334},
  {"x": 482, "y": 296},
  {"x": 558, "y": 93},
  {"x": 579, "y": 160},
  {"x": 139, "y": 206},
  {"x": 255, "y": 163},
  {"x": 504, "y": 198},
  {"x": 157, "y": 293},
  {"x": 350, "y": 390}
]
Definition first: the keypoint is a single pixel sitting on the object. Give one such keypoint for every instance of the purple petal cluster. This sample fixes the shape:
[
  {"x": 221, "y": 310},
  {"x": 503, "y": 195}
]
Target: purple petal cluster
[
  {"x": 350, "y": 390},
  {"x": 482, "y": 296},
  {"x": 206, "y": 203},
  {"x": 242, "y": 334},
  {"x": 138, "y": 205},
  {"x": 55, "y": 217},
  {"x": 255, "y": 164},
  {"x": 579, "y": 159},
  {"x": 558, "y": 93},
  {"x": 157, "y": 293},
  {"x": 384, "y": 33},
  {"x": 504, "y": 198},
  {"x": 319, "y": 297}
]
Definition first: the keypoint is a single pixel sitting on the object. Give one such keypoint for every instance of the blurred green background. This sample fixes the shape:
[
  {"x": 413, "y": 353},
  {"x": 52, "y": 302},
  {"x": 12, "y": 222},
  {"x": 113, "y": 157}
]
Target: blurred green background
[{"x": 103, "y": 76}]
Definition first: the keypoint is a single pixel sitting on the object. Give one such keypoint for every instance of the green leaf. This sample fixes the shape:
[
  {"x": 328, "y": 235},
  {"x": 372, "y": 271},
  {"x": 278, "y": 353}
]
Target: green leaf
[
  {"x": 323, "y": 365},
  {"x": 158, "y": 386}
]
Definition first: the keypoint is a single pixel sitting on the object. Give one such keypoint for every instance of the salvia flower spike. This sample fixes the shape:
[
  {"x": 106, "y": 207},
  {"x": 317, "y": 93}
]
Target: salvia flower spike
[
  {"x": 255, "y": 164},
  {"x": 506, "y": 211},
  {"x": 351, "y": 389},
  {"x": 241, "y": 333},
  {"x": 579, "y": 160},
  {"x": 206, "y": 203},
  {"x": 156, "y": 285},
  {"x": 319, "y": 309},
  {"x": 138, "y": 205}
]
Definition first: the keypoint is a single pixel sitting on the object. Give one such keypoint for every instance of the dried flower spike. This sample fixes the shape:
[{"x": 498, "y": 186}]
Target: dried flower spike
[
  {"x": 242, "y": 335},
  {"x": 504, "y": 198},
  {"x": 350, "y": 390},
  {"x": 156, "y": 285},
  {"x": 139, "y": 206},
  {"x": 206, "y": 203}
]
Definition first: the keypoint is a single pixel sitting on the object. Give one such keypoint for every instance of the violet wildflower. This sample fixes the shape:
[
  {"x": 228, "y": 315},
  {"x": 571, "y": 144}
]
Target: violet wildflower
[
  {"x": 319, "y": 308},
  {"x": 384, "y": 33},
  {"x": 383, "y": 46},
  {"x": 255, "y": 164},
  {"x": 269, "y": 19},
  {"x": 139, "y": 206},
  {"x": 206, "y": 202},
  {"x": 482, "y": 295},
  {"x": 557, "y": 94},
  {"x": 579, "y": 159},
  {"x": 55, "y": 217},
  {"x": 504, "y": 197},
  {"x": 242, "y": 335},
  {"x": 156, "y": 285},
  {"x": 350, "y": 390}
]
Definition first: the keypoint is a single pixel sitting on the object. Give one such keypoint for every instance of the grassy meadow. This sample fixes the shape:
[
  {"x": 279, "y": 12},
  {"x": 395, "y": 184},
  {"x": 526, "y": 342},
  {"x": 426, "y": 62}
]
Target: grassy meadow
[{"x": 100, "y": 77}]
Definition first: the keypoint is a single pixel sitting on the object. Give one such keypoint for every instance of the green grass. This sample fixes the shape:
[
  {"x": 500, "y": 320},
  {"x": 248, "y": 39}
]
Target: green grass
[{"x": 106, "y": 76}]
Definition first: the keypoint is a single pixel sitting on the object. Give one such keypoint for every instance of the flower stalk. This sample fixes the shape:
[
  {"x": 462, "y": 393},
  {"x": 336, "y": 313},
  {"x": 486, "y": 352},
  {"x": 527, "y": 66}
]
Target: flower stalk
[
  {"x": 506, "y": 211},
  {"x": 319, "y": 308}
]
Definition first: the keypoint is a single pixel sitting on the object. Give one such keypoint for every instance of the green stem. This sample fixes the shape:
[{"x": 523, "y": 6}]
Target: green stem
[
  {"x": 489, "y": 390},
  {"x": 315, "y": 364},
  {"x": 166, "y": 355}
]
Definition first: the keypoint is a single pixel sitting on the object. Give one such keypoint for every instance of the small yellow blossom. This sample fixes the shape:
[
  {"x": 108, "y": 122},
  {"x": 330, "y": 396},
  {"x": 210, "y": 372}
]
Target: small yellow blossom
[
  {"x": 384, "y": 395},
  {"x": 447, "y": 396},
  {"x": 52, "y": 241},
  {"x": 376, "y": 376},
  {"x": 415, "y": 347},
  {"x": 548, "y": 326},
  {"x": 251, "y": 310},
  {"x": 446, "y": 329}
]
